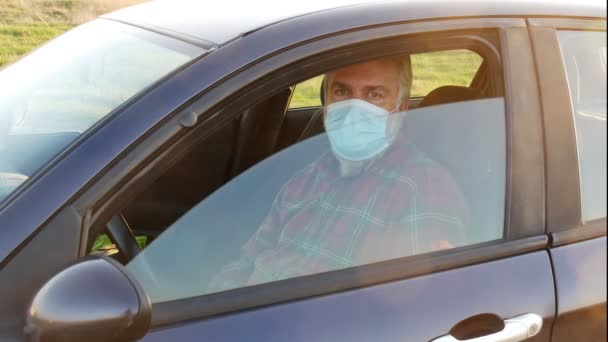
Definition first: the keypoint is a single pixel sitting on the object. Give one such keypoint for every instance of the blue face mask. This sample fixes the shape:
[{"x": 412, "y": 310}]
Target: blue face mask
[{"x": 357, "y": 130}]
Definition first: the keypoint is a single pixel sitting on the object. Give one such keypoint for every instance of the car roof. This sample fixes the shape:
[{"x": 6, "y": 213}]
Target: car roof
[{"x": 216, "y": 23}]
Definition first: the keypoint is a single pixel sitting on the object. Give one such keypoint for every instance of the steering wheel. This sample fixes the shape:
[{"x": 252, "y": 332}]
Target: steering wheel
[{"x": 122, "y": 235}]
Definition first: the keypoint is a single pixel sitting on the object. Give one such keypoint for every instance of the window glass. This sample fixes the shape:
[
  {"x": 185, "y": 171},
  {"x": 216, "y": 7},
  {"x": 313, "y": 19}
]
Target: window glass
[
  {"x": 307, "y": 93},
  {"x": 371, "y": 182},
  {"x": 54, "y": 94},
  {"x": 584, "y": 55}
]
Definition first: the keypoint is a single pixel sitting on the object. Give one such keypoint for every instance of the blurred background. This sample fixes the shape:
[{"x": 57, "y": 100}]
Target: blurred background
[{"x": 26, "y": 24}]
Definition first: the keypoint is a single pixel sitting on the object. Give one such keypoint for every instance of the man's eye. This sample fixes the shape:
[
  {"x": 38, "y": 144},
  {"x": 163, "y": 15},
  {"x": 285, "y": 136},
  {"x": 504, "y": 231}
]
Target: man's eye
[
  {"x": 340, "y": 92},
  {"x": 374, "y": 95}
]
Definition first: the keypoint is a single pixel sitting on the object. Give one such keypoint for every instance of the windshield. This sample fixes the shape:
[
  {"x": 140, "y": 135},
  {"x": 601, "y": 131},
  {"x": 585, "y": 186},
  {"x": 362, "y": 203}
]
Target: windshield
[{"x": 56, "y": 93}]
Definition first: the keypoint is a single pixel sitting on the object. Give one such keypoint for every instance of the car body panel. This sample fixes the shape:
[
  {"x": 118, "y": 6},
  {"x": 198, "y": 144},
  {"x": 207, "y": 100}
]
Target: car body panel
[
  {"x": 416, "y": 309},
  {"x": 580, "y": 283},
  {"x": 222, "y": 22}
]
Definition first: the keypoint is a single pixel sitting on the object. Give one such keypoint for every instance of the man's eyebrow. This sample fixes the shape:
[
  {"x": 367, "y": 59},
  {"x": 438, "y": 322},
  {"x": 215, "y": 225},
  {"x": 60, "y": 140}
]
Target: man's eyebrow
[
  {"x": 368, "y": 88},
  {"x": 339, "y": 84},
  {"x": 376, "y": 88}
]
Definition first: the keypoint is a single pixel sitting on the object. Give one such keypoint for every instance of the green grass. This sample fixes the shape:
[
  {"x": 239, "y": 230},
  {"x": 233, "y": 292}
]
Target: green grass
[
  {"x": 307, "y": 93},
  {"x": 25, "y": 25},
  {"x": 103, "y": 241},
  {"x": 18, "y": 39}
]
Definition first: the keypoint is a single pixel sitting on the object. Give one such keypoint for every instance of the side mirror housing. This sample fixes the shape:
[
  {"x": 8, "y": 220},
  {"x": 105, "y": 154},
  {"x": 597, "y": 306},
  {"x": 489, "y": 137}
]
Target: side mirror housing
[{"x": 94, "y": 299}]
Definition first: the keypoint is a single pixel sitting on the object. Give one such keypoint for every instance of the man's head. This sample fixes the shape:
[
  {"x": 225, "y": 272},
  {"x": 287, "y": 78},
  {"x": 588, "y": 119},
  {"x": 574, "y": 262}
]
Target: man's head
[
  {"x": 385, "y": 83},
  {"x": 359, "y": 101}
]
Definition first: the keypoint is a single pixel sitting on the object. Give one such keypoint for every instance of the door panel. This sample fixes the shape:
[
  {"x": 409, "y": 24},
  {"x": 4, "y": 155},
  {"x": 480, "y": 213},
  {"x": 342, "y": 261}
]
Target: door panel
[
  {"x": 580, "y": 280},
  {"x": 417, "y": 309}
]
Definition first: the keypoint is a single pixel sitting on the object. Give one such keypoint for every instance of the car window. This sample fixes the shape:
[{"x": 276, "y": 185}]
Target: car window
[
  {"x": 376, "y": 182},
  {"x": 430, "y": 70},
  {"x": 307, "y": 93},
  {"x": 50, "y": 97},
  {"x": 584, "y": 55},
  {"x": 435, "y": 69}
]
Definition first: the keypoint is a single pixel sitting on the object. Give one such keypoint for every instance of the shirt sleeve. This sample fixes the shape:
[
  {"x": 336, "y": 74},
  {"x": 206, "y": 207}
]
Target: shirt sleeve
[{"x": 442, "y": 215}]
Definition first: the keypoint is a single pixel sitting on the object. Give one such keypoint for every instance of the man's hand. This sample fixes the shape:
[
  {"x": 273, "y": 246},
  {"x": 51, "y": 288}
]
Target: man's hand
[{"x": 441, "y": 244}]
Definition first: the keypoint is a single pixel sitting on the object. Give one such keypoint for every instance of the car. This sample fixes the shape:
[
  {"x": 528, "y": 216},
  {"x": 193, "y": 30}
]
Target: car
[{"x": 142, "y": 150}]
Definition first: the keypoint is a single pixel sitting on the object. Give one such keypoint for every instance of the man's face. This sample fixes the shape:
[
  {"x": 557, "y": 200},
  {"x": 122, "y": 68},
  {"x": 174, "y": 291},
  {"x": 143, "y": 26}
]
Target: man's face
[{"x": 376, "y": 82}]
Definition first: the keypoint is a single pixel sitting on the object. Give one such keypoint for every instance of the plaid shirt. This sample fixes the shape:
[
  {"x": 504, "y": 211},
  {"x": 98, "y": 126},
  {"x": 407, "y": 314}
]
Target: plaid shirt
[{"x": 402, "y": 204}]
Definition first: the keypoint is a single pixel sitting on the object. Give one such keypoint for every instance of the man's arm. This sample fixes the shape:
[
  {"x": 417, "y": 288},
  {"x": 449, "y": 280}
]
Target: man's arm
[
  {"x": 443, "y": 214},
  {"x": 237, "y": 273}
]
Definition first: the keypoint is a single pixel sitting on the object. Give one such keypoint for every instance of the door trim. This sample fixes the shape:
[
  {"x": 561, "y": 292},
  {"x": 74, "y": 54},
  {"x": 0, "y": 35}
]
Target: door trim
[{"x": 208, "y": 305}]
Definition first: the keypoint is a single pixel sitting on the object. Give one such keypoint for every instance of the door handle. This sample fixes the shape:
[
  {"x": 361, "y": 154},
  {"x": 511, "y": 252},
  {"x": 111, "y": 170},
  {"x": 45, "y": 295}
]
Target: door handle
[{"x": 516, "y": 329}]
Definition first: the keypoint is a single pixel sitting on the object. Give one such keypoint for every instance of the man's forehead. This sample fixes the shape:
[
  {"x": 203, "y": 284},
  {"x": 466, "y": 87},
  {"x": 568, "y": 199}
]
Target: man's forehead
[{"x": 375, "y": 72}]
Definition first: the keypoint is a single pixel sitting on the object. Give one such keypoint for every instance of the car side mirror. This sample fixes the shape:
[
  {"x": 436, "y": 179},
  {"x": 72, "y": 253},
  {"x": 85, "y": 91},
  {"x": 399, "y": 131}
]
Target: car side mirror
[{"x": 94, "y": 299}]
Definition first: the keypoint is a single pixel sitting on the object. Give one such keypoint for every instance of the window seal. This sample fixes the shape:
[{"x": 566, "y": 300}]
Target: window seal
[
  {"x": 231, "y": 301},
  {"x": 563, "y": 197},
  {"x": 587, "y": 231},
  {"x": 594, "y": 24},
  {"x": 525, "y": 196}
]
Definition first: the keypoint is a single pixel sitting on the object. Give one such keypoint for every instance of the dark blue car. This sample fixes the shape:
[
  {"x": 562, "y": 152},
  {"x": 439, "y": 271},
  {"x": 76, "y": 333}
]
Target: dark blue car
[{"x": 142, "y": 155}]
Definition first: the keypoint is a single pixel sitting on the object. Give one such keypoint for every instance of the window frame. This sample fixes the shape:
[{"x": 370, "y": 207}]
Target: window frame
[
  {"x": 563, "y": 197},
  {"x": 523, "y": 229}
]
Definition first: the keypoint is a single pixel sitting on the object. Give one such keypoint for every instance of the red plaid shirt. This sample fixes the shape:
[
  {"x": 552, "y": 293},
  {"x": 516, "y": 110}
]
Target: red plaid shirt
[{"x": 402, "y": 204}]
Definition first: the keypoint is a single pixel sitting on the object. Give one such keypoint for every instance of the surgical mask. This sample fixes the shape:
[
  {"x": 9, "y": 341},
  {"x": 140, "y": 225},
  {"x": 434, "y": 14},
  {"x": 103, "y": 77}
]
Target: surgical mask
[{"x": 357, "y": 129}]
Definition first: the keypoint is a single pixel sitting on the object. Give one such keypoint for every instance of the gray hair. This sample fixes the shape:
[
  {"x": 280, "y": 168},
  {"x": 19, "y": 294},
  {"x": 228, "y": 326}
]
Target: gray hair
[{"x": 405, "y": 78}]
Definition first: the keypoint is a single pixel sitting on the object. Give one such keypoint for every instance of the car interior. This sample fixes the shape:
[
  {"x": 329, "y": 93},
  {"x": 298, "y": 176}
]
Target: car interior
[{"x": 261, "y": 132}]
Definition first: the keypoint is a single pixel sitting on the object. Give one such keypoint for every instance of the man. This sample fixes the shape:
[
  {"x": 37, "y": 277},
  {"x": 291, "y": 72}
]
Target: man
[{"x": 374, "y": 197}]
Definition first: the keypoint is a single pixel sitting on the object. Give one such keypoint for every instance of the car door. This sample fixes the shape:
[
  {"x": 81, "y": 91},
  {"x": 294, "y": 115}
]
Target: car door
[
  {"x": 573, "y": 84},
  {"x": 502, "y": 272}
]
